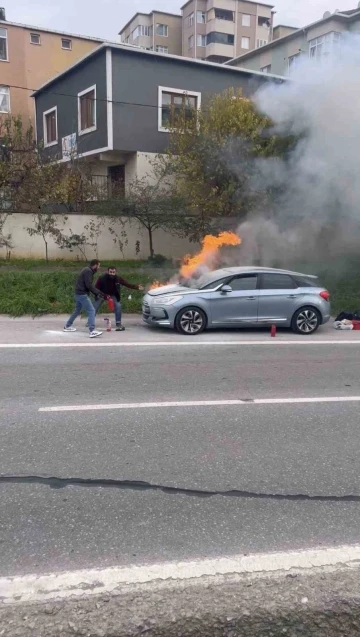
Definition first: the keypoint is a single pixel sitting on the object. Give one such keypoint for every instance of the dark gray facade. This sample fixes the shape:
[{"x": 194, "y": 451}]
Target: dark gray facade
[
  {"x": 129, "y": 109},
  {"x": 63, "y": 91}
]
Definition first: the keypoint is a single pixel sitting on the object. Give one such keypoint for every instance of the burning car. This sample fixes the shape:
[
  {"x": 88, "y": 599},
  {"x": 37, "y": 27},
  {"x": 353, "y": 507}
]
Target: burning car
[{"x": 240, "y": 297}]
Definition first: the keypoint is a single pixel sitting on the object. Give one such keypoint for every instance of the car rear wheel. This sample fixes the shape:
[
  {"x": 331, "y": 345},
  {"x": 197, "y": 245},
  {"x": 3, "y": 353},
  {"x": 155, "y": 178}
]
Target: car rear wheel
[
  {"x": 306, "y": 321},
  {"x": 190, "y": 321}
]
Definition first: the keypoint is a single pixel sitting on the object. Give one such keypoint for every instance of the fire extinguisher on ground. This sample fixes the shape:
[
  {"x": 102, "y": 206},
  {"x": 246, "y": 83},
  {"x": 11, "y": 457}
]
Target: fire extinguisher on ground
[{"x": 108, "y": 324}]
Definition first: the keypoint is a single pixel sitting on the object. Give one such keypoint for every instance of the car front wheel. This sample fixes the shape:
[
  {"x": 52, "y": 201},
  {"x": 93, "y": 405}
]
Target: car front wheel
[
  {"x": 190, "y": 321},
  {"x": 305, "y": 321}
]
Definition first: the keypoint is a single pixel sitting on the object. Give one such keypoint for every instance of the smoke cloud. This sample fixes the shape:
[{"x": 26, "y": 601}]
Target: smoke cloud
[{"x": 316, "y": 213}]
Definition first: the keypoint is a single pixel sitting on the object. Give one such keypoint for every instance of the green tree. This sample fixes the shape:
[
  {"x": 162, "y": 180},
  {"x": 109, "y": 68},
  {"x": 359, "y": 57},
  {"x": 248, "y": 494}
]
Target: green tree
[
  {"x": 213, "y": 157},
  {"x": 30, "y": 178},
  {"x": 150, "y": 202}
]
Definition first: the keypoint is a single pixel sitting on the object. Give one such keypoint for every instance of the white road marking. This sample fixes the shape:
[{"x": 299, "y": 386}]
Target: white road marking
[
  {"x": 204, "y": 403},
  {"x": 192, "y": 343},
  {"x": 31, "y": 588}
]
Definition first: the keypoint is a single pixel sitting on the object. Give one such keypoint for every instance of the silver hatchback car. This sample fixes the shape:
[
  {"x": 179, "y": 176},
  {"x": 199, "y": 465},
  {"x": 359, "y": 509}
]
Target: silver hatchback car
[{"x": 240, "y": 297}]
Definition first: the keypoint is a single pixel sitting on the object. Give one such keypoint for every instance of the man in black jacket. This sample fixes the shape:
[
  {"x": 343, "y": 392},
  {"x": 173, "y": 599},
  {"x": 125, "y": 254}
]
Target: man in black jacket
[
  {"x": 109, "y": 285},
  {"x": 84, "y": 285}
]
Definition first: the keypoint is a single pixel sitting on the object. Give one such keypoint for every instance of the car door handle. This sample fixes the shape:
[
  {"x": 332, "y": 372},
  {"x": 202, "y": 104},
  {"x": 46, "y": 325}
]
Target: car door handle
[
  {"x": 292, "y": 296},
  {"x": 251, "y": 298}
]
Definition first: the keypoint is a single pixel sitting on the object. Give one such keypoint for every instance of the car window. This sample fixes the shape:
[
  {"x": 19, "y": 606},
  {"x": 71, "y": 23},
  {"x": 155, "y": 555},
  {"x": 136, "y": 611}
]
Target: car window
[
  {"x": 304, "y": 282},
  {"x": 247, "y": 282},
  {"x": 214, "y": 284},
  {"x": 277, "y": 282}
]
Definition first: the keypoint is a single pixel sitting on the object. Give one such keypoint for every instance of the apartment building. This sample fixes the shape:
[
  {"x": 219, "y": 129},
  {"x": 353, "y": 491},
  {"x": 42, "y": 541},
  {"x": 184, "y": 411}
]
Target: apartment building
[
  {"x": 317, "y": 40},
  {"x": 155, "y": 31},
  {"x": 215, "y": 30},
  {"x": 212, "y": 30},
  {"x": 29, "y": 56}
]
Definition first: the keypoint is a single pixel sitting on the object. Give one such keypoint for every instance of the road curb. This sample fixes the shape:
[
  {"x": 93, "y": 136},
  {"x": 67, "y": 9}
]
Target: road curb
[{"x": 316, "y": 602}]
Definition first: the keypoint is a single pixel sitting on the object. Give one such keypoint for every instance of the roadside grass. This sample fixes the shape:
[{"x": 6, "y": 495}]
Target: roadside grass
[
  {"x": 36, "y": 293},
  {"x": 34, "y": 287}
]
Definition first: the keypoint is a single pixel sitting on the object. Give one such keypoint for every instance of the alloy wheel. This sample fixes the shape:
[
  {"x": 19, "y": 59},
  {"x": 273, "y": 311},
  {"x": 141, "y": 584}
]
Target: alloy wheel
[
  {"x": 307, "y": 321},
  {"x": 191, "y": 322}
]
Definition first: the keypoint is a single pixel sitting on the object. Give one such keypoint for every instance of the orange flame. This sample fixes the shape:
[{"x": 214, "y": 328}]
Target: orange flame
[
  {"x": 209, "y": 247},
  {"x": 156, "y": 284}
]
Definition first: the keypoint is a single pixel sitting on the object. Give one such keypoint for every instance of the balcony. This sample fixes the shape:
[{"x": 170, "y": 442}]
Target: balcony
[{"x": 106, "y": 187}]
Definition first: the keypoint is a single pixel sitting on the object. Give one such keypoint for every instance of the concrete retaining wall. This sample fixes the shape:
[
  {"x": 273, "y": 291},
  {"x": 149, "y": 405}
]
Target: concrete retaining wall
[{"x": 33, "y": 247}]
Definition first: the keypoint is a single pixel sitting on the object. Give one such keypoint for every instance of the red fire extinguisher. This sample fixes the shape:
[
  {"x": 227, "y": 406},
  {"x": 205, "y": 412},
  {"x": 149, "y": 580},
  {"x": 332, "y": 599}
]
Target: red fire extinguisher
[
  {"x": 110, "y": 303},
  {"x": 273, "y": 330},
  {"x": 108, "y": 324}
]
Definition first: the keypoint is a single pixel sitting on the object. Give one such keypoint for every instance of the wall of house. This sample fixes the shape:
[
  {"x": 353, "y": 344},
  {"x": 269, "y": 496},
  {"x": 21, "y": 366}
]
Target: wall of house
[
  {"x": 136, "y": 121},
  {"x": 173, "y": 40},
  {"x": 31, "y": 65},
  {"x": 33, "y": 247},
  {"x": 63, "y": 94}
]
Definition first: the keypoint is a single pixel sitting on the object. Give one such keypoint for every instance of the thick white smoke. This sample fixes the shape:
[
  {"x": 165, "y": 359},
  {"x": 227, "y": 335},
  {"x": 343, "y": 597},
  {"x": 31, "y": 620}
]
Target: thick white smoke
[{"x": 317, "y": 211}]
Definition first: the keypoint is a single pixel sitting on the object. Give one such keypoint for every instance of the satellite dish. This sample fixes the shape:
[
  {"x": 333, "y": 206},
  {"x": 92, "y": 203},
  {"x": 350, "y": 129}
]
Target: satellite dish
[{"x": 327, "y": 14}]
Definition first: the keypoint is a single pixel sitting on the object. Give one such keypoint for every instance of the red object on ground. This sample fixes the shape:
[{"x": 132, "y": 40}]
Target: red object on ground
[
  {"x": 273, "y": 330},
  {"x": 356, "y": 325},
  {"x": 111, "y": 305},
  {"x": 108, "y": 324}
]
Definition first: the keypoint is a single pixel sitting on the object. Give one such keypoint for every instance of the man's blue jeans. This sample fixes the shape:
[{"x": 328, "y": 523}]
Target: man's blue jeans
[
  {"x": 117, "y": 307},
  {"x": 83, "y": 302}
]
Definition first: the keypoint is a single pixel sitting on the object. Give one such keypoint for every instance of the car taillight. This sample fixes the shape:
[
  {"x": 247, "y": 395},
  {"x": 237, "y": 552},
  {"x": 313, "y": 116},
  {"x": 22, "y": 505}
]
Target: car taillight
[{"x": 325, "y": 295}]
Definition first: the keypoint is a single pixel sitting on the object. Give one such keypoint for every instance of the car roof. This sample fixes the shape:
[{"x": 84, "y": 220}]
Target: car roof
[{"x": 256, "y": 269}]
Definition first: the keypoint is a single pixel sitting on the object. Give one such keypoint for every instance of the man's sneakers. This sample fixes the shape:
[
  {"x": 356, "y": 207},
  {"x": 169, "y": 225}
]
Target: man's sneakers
[
  {"x": 119, "y": 328},
  {"x": 94, "y": 334},
  {"x": 69, "y": 329}
]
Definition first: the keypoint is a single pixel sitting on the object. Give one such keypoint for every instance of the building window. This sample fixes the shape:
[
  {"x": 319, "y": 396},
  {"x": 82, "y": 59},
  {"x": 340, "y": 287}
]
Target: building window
[
  {"x": 66, "y": 44},
  {"x": 224, "y": 14},
  {"x": 220, "y": 38},
  {"x": 260, "y": 43},
  {"x": 201, "y": 17},
  {"x": 245, "y": 43},
  {"x": 264, "y": 22},
  {"x": 141, "y": 30},
  {"x": 266, "y": 69},
  {"x": 87, "y": 110},
  {"x": 324, "y": 45},
  {"x": 3, "y": 45},
  {"x": 246, "y": 20},
  {"x": 293, "y": 62},
  {"x": 191, "y": 42},
  {"x": 161, "y": 49},
  {"x": 4, "y": 99},
  {"x": 162, "y": 29},
  {"x": 190, "y": 19},
  {"x": 35, "y": 38},
  {"x": 175, "y": 103},
  {"x": 201, "y": 40},
  {"x": 50, "y": 127}
]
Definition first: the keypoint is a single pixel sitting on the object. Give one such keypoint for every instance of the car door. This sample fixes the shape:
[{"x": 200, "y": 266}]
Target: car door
[
  {"x": 238, "y": 306},
  {"x": 278, "y": 298}
]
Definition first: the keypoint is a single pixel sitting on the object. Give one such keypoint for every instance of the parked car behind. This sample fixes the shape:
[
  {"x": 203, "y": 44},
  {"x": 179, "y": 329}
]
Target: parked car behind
[{"x": 240, "y": 297}]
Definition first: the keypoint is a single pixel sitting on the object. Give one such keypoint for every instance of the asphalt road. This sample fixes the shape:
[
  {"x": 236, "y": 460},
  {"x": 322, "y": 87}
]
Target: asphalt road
[{"x": 106, "y": 487}]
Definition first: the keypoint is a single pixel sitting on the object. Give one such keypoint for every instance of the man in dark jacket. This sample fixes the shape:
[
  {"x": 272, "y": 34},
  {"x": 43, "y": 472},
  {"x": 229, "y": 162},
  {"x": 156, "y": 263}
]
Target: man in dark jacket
[
  {"x": 84, "y": 285},
  {"x": 109, "y": 285}
]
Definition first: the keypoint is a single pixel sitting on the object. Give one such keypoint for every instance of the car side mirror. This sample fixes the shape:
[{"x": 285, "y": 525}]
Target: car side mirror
[{"x": 226, "y": 289}]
